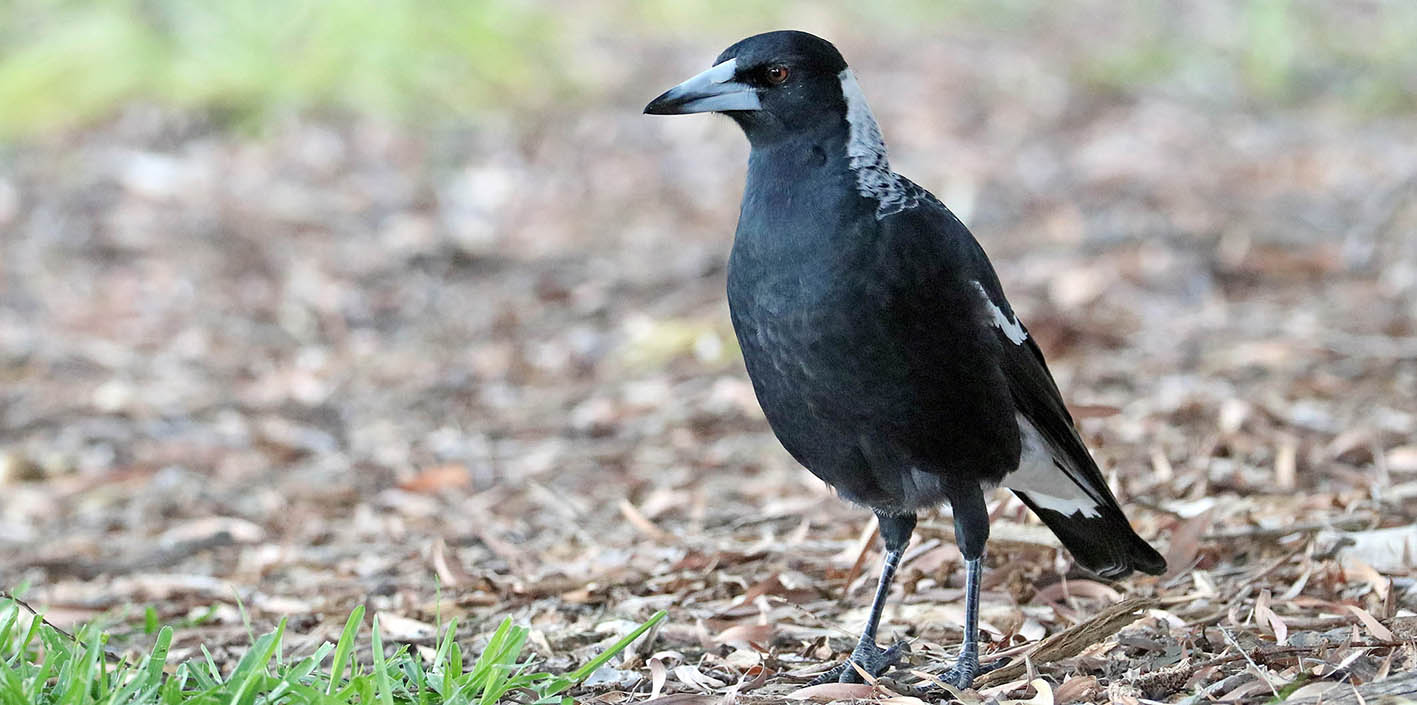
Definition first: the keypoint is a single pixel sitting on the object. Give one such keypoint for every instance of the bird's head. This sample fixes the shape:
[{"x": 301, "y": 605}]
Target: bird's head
[{"x": 769, "y": 83}]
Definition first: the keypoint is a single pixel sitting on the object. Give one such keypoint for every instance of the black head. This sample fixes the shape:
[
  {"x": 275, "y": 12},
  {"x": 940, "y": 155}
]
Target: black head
[{"x": 769, "y": 84}]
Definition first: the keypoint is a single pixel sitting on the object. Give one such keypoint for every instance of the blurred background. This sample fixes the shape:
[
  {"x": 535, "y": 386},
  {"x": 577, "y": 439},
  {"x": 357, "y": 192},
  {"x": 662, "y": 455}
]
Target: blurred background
[{"x": 404, "y": 303}]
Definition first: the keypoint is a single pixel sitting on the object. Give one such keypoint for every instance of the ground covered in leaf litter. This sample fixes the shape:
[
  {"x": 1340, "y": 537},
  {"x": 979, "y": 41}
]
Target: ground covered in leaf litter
[{"x": 489, "y": 373}]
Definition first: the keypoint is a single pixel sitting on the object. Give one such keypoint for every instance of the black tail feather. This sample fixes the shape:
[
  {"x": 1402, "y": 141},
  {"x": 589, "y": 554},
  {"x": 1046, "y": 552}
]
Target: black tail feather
[{"x": 1104, "y": 544}]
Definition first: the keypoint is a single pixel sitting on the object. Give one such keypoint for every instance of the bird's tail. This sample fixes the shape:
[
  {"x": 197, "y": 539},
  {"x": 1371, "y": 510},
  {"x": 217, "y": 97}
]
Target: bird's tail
[{"x": 1104, "y": 544}]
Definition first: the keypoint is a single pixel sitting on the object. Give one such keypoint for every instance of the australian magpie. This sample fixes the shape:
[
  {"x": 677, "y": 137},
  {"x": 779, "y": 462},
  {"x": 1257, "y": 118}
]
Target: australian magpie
[{"x": 878, "y": 338}]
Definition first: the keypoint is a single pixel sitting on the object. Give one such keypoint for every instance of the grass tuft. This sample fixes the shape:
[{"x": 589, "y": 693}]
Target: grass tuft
[{"x": 40, "y": 665}]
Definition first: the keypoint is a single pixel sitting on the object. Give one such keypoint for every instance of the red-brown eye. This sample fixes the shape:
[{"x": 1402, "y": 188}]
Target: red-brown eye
[{"x": 776, "y": 74}]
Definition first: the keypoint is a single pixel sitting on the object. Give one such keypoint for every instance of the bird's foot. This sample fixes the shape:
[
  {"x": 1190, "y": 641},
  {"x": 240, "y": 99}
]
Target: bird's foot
[
  {"x": 966, "y": 669},
  {"x": 871, "y": 658}
]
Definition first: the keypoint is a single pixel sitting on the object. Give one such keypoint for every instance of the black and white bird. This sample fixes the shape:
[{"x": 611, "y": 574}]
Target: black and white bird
[{"x": 878, "y": 338}]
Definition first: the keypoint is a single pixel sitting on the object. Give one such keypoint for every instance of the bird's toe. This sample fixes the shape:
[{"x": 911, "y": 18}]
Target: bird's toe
[
  {"x": 962, "y": 674},
  {"x": 871, "y": 658}
]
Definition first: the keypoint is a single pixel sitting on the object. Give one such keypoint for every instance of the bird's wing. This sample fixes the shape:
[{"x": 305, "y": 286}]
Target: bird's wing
[
  {"x": 1034, "y": 394},
  {"x": 1055, "y": 475}
]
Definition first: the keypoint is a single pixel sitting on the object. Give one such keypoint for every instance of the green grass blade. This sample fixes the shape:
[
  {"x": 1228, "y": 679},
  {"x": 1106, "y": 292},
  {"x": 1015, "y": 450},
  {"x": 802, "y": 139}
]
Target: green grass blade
[
  {"x": 251, "y": 670},
  {"x": 584, "y": 672},
  {"x": 381, "y": 668},
  {"x": 344, "y": 647}
]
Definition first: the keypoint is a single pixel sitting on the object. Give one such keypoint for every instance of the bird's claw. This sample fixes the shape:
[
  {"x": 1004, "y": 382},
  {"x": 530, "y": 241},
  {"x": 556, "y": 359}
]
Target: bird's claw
[
  {"x": 966, "y": 669},
  {"x": 871, "y": 658}
]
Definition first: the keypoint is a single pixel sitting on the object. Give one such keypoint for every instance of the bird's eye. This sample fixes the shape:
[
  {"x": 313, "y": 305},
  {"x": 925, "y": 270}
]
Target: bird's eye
[{"x": 776, "y": 74}]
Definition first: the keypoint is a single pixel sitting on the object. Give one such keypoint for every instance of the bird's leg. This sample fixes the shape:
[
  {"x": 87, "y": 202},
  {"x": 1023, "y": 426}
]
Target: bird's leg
[
  {"x": 967, "y": 667},
  {"x": 971, "y": 532},
  {"x": 895, "y": 531}
]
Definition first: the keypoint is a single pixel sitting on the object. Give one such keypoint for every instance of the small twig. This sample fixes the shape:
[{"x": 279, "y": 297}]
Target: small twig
[
  {"x": 5, "y": 595},
  {"x": 1276, "y": 565},
  {"x": 643, "y": 524},
  {"x": 1070, "y": 642},
  {"x": 1263, "y": 676}
]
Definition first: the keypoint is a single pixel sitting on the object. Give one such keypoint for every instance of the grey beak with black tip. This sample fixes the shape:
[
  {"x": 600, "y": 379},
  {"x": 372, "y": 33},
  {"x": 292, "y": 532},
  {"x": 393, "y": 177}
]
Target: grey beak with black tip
[{"x": 713, "y": 91}]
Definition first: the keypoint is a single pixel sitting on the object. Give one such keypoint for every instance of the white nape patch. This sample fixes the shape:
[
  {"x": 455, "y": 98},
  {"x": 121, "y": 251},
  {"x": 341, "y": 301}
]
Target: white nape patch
[
  {"x": 866, "y": 153},
  {"x": 1013, "y": 330},
  {"x": 1046, "y": 484}
]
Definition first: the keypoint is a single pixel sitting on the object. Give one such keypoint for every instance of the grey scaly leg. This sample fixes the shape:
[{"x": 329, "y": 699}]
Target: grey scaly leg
[
  {"x": 895, "y": 531},
  {"x": 967, "y": 668}
]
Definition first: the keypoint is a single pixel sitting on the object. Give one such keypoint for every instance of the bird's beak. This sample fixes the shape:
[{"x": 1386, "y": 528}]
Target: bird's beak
[{"x": 713, "y": 91}]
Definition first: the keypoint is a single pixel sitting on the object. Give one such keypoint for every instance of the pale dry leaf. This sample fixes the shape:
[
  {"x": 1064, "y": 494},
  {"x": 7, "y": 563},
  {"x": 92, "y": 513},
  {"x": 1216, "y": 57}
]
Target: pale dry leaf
[
  {"x": 691, "y": 676},
  {"x": 1286, "y": 464},
  {"x": 211, "y": 528},
  {"x": 826, "y": 692},
  {"x": 1161, "y": 465},
  {"x": 1390, "y": 550},
  {"x": 1402, "y": 459},
  {"x": 400, "y": 628},
  {"x": 751, "y": 635},
  {"x": 1355, "y": 567},
  {"x": 1043, "y": 693},
  {"x": 1374, "y": 627},
  {"x": 1311, "y": 691},
  {"x": 658, "y": 674},
  {"x": 1266, "y": 616},
  {"x": 685, "y": 699}
]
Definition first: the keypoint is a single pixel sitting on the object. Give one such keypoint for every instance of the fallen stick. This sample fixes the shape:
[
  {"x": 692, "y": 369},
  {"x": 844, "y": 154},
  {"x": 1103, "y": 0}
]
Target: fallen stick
[{"x": 1071, "y": 641}]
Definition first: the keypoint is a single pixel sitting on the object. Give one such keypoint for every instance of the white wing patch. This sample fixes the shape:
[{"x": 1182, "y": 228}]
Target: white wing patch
[
  {"x": 866, "y": 154},
  {"x": 1013, "y": 330},
  {"x": 1046, "y": 484}
]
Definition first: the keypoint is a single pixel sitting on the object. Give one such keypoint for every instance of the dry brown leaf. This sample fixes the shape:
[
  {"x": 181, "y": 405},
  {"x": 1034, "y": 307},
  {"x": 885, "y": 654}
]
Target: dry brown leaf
[
  {"x": 437, "y": 478},
  {"x": 1186, "y": 543},
  {"x": 449, "y": 572},
  {"x": 771, "y": 585},
  {"x": 1093, "y": 411},
  {"x": 1074, "y": 689},
  {"x": 752, "y": 635},
  {"x": 753, "y": 678},
  {"x": 1064, "y": 589},
  {"x": 858, "y": 553}
]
